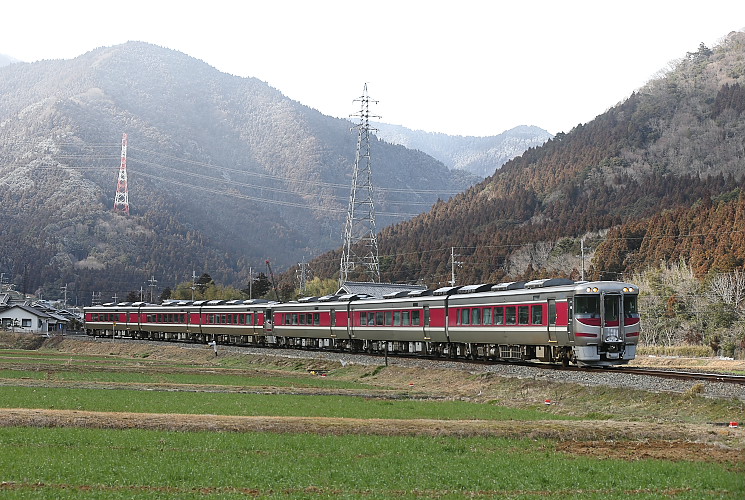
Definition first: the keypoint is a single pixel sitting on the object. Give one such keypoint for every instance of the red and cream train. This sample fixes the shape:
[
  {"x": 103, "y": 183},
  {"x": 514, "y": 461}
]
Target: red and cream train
[{"x": 554, "y": 320}]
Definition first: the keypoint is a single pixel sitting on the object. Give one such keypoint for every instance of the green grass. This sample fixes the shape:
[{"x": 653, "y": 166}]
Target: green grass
[
  {"x": 84, "y": 463},
  {"x": 222, "y": 378},
  {"x": 216, "y": 403}
]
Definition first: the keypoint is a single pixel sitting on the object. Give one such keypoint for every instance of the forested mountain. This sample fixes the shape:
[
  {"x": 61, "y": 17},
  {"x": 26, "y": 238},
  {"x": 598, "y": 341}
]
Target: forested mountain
[
  {"x": 481, "y": 156},
  {"x": 657, "y": 177},
  {"x": 224, "y": 173}
]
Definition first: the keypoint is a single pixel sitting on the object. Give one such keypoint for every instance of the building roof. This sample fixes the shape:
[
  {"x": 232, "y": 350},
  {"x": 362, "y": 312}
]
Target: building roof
[
  {"x": 377, "y": 290},
  {"x": 28, "y": 309}
]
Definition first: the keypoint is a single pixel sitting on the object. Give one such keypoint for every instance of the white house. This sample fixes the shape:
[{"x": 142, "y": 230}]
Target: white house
[{"x": 24, "y": 319}]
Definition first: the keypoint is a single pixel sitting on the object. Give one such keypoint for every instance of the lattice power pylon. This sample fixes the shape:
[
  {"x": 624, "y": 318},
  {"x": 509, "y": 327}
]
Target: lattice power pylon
[
  {"x": 359, "y": 260},
  {"x": 121, "y": 200}
]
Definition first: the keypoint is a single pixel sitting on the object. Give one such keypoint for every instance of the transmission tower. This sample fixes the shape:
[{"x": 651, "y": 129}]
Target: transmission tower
[
  {"x": 121, "y": 200},
  {"x": 303, "y": 274},
  {"x": 359, "y": 259}
]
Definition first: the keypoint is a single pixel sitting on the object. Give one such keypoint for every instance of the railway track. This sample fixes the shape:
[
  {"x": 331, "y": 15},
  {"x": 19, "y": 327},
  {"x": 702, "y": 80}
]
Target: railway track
[
  {"x": 683, "y": 375},
  {"x": 662, "y": 373}
]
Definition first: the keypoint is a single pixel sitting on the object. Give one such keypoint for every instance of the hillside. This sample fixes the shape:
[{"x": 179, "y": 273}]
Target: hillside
[
  {"x": 224, "y": 173},
  {"x": 480, "y": 156},
  {"x": 669, "y": 161}
]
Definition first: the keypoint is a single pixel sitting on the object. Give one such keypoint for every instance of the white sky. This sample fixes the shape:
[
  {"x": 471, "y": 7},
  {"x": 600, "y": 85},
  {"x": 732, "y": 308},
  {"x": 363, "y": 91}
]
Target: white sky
[{"x": 465, "y": 67}]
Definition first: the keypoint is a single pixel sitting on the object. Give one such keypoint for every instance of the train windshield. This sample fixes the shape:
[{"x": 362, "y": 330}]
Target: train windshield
[
  {"x": 629, "y": 305},
  {"x": 588, "y": 305}
]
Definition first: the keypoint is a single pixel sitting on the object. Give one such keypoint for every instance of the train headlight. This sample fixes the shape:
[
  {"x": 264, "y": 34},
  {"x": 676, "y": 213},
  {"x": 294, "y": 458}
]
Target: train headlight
[
  {"x": 628, "y": 289},
  {"x": 593, "y": 289}
]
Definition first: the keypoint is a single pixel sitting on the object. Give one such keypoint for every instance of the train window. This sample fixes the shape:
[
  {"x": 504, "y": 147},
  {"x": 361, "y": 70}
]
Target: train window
[
  {"x": 587, "y": 304},
  {"x": 241, "y": 319},
  {"x": 536, "y": 314},
  {"x": 294, "y": 319},
  {"x": 415, "y": 321},
  {"x": 159, "y": 318},
  {"x": 396, "y": 318},
  {"x": 309, "y": 318},
  {"x": 317, "y": 319},
  {"x": 487, "y": 319},
  {"x": 611, "y": 308},
  {"x": 629, "y": 305},
  {"x": 476, "y": 317},
  {"x": 499, "y": 315},
  {"x": 405, "y": 318},
  {"x": 371, "y": 319},
  {"x": 379, "y": 318},
  {"x": 183, "y": 318},
  {"x": 523, "y": 315},
  {"x": 302, "y": 319},
  {"x": 465, "y": 316},
  {"x": 510, "y": 315},
  {"x": 388, "y": 318},
  {"x": 250, "y": 320}
]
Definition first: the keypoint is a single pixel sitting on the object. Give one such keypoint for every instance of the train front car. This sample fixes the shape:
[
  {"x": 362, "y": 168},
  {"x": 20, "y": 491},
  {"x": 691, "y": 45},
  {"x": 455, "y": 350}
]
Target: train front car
[{"x": 604, "y": 323}]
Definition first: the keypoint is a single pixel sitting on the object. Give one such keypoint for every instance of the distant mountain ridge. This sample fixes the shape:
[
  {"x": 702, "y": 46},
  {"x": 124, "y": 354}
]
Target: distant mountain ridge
[
  {"x": 224, "y": 173},
  {"x": 657, "y": 178},
  {"x": 481, "y": 156},
  {"x": 5, "y": 60}
]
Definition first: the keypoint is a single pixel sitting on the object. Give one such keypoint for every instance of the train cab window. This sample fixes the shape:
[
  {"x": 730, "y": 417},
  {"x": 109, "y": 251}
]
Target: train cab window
[
  {"x": 523, "y": 315},
  {"x": 536, "y": 313},
  {"x": 476, "y": 317},
  {"x": 465, "y": 316},
  {"x": 316, "y": 319},
  {"x": 587, "y": 305},
  {"x": 510, "y": 315},
  {"x": 487, "y": 319},
  {"x": 388, "y": 318},
  {"x": 405, "y": 318},
  {"x": 396, "y": 318},
  {"x": 629, "y": 305},
  {"x": 415, "y": 321}
]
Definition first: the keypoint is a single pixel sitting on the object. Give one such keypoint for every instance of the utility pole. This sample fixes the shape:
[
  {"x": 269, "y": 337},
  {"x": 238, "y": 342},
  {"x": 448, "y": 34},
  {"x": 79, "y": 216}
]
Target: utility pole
[
  {"x": 582, "y": 250},
  {"x": 360, "y": 243},
  {"x": 193, "y": 283},
  {"x": 64, "y": 289},
  {"x": 250, "y": 282},
  {"x": 152, "y": 282},
  {"x": 453, "y": 263},
  {"x": 121, "y": 200}
]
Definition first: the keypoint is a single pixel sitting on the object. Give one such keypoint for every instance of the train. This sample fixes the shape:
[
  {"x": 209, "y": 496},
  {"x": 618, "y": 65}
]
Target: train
[{"x": 555, "y": 320}]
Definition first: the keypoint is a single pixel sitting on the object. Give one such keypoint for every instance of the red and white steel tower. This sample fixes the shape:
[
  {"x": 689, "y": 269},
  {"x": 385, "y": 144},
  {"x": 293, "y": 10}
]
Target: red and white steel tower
[{"x": 121, "y": 200}]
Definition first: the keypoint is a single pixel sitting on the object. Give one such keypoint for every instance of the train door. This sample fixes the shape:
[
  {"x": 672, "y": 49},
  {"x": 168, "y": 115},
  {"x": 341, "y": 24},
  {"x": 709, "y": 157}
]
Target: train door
[
  {"x": 611, "y": 317},
  {"x": 552, "y": 320},
  {"x": 425, "y": 324},
  {"x": 268, "y": 322}
]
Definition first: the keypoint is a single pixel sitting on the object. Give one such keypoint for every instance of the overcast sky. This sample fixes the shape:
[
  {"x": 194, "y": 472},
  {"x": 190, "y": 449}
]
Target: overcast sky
[{"x": 460, "y": 67}]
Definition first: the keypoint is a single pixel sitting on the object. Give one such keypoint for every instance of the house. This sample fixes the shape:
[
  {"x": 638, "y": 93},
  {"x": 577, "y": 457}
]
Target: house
[{"x": 24, "y": 319}]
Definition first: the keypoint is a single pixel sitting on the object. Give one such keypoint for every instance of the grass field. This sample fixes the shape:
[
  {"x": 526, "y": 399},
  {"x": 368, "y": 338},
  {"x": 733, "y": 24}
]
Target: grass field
[{"x": 80, "y": 422}]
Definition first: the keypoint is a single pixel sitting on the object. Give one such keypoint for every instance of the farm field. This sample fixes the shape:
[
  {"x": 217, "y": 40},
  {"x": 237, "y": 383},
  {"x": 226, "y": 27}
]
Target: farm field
[{"x": 85, "y": 419}]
